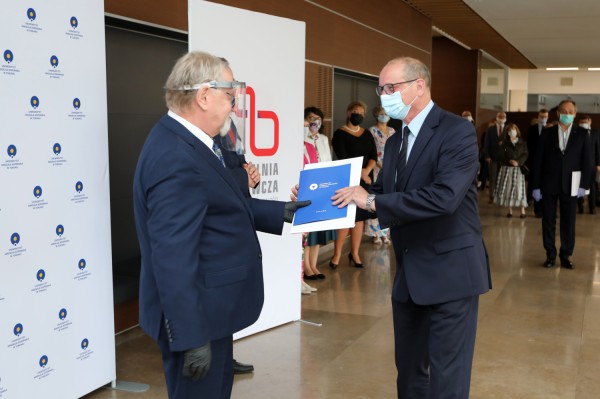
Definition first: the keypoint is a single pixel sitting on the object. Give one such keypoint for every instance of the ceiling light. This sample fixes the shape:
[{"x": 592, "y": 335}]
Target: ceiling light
[
  {"x": 563, "y": 69},
  {"x": 593, "y": 69}
]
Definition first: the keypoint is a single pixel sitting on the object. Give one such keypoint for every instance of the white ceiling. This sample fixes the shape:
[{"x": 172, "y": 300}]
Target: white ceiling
[{"x": 550, "y": 33}]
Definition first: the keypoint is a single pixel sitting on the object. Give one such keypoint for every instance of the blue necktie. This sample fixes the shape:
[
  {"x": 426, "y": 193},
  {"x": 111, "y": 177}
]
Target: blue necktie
[
  {"x": 218, "y": 152},
  {"x": 403, "y": 151}
]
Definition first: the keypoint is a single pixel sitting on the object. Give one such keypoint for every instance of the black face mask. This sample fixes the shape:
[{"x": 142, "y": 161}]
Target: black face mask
[{"x": 356, "y": 119}]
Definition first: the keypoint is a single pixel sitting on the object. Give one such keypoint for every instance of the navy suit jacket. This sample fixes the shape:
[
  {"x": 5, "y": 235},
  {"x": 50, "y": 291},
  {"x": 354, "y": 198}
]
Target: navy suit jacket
[
  {"x": 201, "y": 259},
  {"x": 552, "y": 170},
  {"x": 434, "y": 218}
]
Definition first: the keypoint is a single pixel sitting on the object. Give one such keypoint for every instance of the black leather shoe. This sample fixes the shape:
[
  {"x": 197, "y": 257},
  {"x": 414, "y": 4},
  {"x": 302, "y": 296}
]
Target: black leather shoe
[
  {"x": 549, "y": 263},
  {"x": 351, "y": 260},
  {"x": 311, "y": 277},
  {"x": 566, "y": 263},
  {"x": 242, "y": 368},
  {"x": 320, "y": 276},
  {"x": 332, "y": 265}
]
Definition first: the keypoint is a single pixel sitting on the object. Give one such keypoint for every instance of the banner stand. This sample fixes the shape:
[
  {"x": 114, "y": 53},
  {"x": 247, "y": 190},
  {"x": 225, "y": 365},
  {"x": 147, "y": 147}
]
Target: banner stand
[{"x": 129, "y": 386}]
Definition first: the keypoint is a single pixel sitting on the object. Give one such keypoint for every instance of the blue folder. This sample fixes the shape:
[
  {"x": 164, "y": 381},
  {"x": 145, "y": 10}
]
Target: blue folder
[{"x": 319, "y": 185}]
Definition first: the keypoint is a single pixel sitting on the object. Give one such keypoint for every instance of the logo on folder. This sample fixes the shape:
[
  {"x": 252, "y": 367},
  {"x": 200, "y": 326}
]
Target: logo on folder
[
  {"x": 35, "y": 102},
  {"x": 60, "y": 230},
  {"x": 31, "y": 14},
  {"x": 85, "y": 343},
  {"x": 56, "y": 148},
  {"x": 62, "y": 314},
  {"x": 43, "y": 361},
  {"x": 81, "y": 264},
  {"x": 54, "y": 61},
  {"x": 41, "y": 275},
  {"x": 74, "y": 22},
  {"x": 37, "y": 191},
  {"x": 79, "y": 186}
]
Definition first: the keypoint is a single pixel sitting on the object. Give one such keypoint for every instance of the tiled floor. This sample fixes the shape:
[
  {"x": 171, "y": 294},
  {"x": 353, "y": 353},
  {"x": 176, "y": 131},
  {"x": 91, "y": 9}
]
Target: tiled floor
[{"x": 538, "y": 336}]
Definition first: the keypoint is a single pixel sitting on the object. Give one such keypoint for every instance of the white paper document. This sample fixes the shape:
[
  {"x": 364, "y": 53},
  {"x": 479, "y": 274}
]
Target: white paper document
[
  {"x": 338, "y": 223},
  {"x": 575, "y": 180}
]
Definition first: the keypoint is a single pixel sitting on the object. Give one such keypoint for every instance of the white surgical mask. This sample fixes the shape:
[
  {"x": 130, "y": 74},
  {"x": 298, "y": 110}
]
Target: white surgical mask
[
  {"x": 543, "y": 121},
  {"x": 585, "y": 125},
  {"x": 501, "y": 121},
  {"x": 383, "y": 118},
  {"x": 394, "y": 106},
  {"x": 469, "y": 118},
  {"x": 512, "y": 133},
  {"x": 306, "y": 131}
]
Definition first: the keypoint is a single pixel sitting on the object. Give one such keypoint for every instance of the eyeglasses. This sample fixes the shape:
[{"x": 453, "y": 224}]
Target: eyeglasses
[{"x": 389, "y": 87}]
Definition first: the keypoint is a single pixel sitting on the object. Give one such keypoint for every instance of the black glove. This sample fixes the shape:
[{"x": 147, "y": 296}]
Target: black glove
[
  {"x": 196, "y": 362},
  {"x": 291, "y": 207}
]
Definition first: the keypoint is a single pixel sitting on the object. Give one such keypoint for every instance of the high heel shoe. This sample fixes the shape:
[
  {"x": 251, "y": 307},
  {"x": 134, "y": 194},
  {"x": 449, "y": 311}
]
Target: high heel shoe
[
  {"x": 351, "y": 260},
  {"x": 332, "y": 265}
]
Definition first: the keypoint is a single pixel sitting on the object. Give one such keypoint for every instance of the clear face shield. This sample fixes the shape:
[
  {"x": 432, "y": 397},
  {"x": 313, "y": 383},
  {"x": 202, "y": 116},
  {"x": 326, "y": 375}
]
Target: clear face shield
[{"x": 233, "y": 132}]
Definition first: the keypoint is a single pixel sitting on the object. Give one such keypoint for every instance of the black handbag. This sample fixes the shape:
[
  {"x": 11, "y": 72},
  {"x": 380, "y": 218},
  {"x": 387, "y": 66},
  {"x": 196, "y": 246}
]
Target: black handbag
[{"x": 524, "y": 170}]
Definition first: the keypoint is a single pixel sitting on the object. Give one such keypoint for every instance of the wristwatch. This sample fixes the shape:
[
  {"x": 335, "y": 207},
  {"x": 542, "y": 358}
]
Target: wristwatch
[{"x": 370, "y": 200}]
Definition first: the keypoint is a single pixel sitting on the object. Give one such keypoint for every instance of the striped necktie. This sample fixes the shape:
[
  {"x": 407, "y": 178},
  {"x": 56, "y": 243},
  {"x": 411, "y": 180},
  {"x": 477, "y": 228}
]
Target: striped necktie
[{"x": 218, "y": 152}]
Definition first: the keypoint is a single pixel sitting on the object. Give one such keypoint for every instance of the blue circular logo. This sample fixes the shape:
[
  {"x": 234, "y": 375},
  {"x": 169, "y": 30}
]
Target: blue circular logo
[
  {"x": 85, "y": 343},
  {"x": 8, "y": 56},
  {"x": 18, "y": 329},
  {"x": 54, "y": 61},
  {"x": 37, "y": 191},
  {"x": 60, "y": 230},
  {"x": 15, "y": 239},
  {"x": 74, "y": 22},
  {"x": 82, "y": 263},
  {"x": 79, "y": 186},
  {"x": 43, "y": 361},
  {"x": 11, "y": 150},
  {"x": 62, "y": 314},
  {"x": 31, "y": 14},
  {"x": 76, "y": 103},
  {"x": 40, "y": 275},
  {"x": 35, "y": 102},
  {"x": 56, "y": 148}
]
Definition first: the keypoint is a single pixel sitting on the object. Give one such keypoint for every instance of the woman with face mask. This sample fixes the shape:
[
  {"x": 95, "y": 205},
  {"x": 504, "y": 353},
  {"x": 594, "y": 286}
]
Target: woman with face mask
[
  {"x": 350, "y": 141},
  {"x": 510, "y": 186},
  {"x": 316, "y": 149},
  {"x": 380, "y": 132}
]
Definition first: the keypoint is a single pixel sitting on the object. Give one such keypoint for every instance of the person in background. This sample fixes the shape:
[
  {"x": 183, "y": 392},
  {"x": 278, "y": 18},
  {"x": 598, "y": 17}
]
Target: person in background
[
  {"x": 381, "y": 132},
  {"x": 467, "y": 115},
  {"x": 510, "y": 189},
  {"x": 562, "y": 150},
  {"x": 493, "y": 140},
  {"x": 350, "y": 141},
  {"x": 533, "y": 139},
  {"x": 426, "y": 194},
  {"x": 194, "y": 294},
  {"x": 316, "y": 149},
  {"x": 585, "y": 122}
]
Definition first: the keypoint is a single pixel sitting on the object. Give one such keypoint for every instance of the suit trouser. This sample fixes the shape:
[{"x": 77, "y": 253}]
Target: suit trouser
[
  {"x": 434, "y": 348},
  {"x": 493, "y": 168},
  {"x": 217, "y": 384},
  {"x": 568, "y": 207}
]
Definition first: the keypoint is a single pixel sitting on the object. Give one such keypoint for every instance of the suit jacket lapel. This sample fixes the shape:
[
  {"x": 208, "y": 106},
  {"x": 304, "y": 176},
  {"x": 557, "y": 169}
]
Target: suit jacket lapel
[
  {"x": 206, "y": 154},
  {"x": 419, "y": 145}
]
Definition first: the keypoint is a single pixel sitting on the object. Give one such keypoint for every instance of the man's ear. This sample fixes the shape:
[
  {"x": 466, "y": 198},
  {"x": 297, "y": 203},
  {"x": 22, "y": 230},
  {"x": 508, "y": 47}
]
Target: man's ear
[{"x": 202, "y": 97}]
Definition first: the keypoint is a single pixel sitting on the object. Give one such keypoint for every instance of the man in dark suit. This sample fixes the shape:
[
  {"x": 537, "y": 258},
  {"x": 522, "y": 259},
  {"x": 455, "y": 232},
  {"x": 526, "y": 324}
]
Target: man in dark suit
[
  {"x": 492, "y": 141},
  {"x": 562, "y": 150},
  {"x": 533, "y": 138},
  {"x": 426, "y": 193},
  {"x": 201, "y": 277},
  {"x": 585, "y": 122}
]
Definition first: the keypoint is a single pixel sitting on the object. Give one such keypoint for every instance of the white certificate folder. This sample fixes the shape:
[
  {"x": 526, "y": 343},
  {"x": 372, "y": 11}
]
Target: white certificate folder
[{"x": 318, "y": 183}]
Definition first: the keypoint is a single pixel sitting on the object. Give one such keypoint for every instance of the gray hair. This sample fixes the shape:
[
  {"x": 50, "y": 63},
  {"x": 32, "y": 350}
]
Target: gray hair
[
  {"x": 413, "y": 69},
  {"x": 193, "y": 68}
]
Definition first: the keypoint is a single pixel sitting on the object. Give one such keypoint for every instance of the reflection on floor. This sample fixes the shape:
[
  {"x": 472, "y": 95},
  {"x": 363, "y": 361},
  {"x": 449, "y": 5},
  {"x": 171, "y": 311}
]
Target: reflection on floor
[{"x": 538, "y": 337}]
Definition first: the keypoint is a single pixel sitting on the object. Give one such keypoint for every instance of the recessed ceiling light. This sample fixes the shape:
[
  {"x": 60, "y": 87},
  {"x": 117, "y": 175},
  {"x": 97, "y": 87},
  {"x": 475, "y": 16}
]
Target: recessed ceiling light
[
  {"x": 593, "y": 69},
  {"x": 563, "y": 69}
]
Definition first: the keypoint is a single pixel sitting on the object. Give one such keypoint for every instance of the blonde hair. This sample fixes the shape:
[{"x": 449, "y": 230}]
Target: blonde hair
[{"x": 191, "y": 69}]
